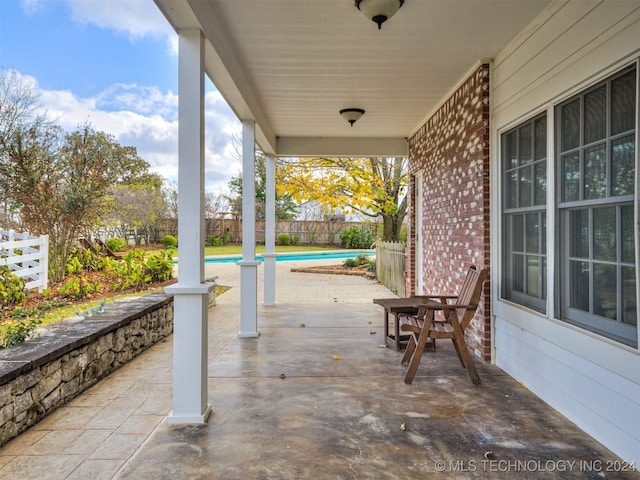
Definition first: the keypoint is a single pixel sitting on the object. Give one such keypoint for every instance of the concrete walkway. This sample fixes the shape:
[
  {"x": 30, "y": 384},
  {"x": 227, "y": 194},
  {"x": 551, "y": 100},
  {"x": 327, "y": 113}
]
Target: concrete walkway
[{"x": 315, "y": 396}]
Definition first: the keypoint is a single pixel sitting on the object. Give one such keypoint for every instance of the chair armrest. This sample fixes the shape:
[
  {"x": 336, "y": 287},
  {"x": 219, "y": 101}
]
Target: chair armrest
[
  {"x": 410, "y": 328},
  {"x": 453, "y": 306},
  {"x": 434, "y": 296}
]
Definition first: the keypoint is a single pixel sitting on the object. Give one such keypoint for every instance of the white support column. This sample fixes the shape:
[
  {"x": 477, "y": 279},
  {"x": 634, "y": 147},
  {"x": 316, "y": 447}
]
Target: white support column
[
  {"x": 190, "y": 293},
  {"x": 270, "y": 234},
  {"x": 248, "y": 264}
]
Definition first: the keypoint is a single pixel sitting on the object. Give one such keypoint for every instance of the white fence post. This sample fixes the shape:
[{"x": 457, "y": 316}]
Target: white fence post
[{"x": 44, "y": 262}]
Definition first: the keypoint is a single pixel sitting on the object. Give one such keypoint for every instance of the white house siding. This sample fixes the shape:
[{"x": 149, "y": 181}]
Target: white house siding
[{"x": 592, "y": 380}]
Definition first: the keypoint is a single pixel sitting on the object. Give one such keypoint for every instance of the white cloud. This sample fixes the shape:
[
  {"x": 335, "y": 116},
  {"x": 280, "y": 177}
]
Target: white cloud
[
  {"x": 147, "y": 100},
  {"x": 136, "y": 18}
]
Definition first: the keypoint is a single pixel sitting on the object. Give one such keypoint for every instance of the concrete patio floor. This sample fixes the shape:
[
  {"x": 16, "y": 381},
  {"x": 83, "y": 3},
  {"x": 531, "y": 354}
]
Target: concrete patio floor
[{"x": 315, "y": 396}]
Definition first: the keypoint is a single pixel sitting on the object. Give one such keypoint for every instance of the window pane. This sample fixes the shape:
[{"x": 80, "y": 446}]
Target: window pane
[
  {"x": 604, "y": 234},
  {"x": 533, "y": 233},
  {"x": 623, "y": 100},
  {"x": 518, "y": 245},
  {"x": 525, "y": 186},
  {"x": 540, "y": 192},
  {"x": 595, "y": 115},
  {"x": 510, "y": 152},
  {"x": 628, "y": 244},
  {"x": 579, "y": 289},
  {"x": 540, "y": 138},
  {"x": 525, "y": 144},
  {"x": 622, "y": 165},
  {"x": 543, "y": 220},
  {"x": 579, "y": 234},
  {"x": 571, "y": 125},
  {"x": 629, "y": 296},
  {"x": 595, "y": 172},
  {"x": 518, "y": 274},
  {"x": 533, "y": 275},
  {"x": 512, "y": 189},
  {"x": 604, "y": 292},
  {"x": 571, "y": 177}
]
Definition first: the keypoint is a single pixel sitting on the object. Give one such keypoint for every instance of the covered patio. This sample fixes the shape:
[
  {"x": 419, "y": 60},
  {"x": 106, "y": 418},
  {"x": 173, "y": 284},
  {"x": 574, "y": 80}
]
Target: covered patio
[
  {"x": 289, "y": 71},
  {"x": 327, "y": 418},
  {"x": 443, "y": 83}
]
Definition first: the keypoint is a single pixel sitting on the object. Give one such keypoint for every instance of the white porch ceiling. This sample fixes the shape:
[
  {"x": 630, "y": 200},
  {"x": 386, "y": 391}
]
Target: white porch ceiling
[{"x": 291, "y": 65}]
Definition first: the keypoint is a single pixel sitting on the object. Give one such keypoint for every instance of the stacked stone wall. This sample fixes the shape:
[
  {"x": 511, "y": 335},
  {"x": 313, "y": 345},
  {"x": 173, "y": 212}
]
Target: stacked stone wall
[
  {"x": 41, "y": 374},
  {"x": 451, "y": 150}
]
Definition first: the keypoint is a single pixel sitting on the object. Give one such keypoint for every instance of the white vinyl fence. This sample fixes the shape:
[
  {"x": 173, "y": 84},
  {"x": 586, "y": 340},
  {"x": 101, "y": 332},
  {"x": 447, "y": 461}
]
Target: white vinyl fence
[
  {"x": 391, "y": 265},
  {"x": 26, "y": 256}
]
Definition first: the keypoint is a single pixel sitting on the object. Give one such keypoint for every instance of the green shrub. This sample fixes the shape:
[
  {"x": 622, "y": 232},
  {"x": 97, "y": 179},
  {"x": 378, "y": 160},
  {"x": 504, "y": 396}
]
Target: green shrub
[
  {"x": 84, "y": 259},
  {"x": 12, "y": 290},
  {"x": 14, "y": 333},
  {"x": 284, "y": 239},
  {"x": 215, "y": 240},
  {"x": 74, "y": 265},
  {"x": 169, "y": 242},
  {"x": 350, "y": 263},
  {"x": 134, "y": 270},
  {"x": 78, "y": 288},
  {"x": 355, "y": 238},
  {"x": 363, "y": 260},
  {"x": 159, "y": 267},
  {"x": 295, "y": 240},
  {"x": 116, "y": 244}
]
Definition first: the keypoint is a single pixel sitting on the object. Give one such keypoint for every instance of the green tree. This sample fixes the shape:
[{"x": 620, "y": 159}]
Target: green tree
[
  {"x": 58, "y": 183},
  {"x": 285, "y": 206},
  {"x": 371, "y": 186},
  {"x": 135, "y": 208}
]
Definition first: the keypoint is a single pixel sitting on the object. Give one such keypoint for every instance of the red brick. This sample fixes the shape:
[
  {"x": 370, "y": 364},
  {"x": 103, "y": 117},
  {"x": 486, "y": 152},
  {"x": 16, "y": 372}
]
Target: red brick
[{"x": 452, "y": 151}]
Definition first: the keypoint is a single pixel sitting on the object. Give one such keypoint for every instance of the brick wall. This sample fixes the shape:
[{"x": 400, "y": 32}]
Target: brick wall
[{"x": 452, "y": 151}]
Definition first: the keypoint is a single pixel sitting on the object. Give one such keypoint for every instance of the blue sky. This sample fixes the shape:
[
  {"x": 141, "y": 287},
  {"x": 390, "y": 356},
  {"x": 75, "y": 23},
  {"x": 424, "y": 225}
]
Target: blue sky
[{"x": 114, "y": 64}]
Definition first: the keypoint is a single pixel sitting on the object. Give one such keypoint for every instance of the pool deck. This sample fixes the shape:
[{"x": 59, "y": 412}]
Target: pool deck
[{"x": 315, "y": 396}]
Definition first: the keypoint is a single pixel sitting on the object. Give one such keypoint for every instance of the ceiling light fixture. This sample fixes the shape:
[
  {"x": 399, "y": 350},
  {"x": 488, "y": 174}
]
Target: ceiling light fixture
[
  {"x": 379, "y": 10},
  {"x": 352, "y": 115}
]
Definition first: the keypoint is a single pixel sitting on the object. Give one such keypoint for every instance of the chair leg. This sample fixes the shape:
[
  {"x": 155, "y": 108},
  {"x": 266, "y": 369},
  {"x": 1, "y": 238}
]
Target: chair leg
[
  {"x": 411, "y": 346},
  {"x": 419, "y": 344},
  {"x": 455, "y": 345},
  {"x": 415, "y": 358},
  {"x": 463, "y": 353}
]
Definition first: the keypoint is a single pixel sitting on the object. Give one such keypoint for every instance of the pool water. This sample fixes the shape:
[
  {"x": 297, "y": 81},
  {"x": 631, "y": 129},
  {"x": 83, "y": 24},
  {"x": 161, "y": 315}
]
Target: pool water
[{"x": 289, "y": 257}]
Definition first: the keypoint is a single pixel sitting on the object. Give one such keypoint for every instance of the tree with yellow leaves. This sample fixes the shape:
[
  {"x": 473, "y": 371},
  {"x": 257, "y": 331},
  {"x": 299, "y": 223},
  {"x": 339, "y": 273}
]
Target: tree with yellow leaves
[{"x": 374, "y": 186}]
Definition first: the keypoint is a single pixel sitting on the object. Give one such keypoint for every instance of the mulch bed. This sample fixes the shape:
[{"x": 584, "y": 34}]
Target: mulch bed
[{"x": 337, "y": 270}]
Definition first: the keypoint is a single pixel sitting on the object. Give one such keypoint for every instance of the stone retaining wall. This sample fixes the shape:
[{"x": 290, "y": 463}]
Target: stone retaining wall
[{"x": 45, "y": 372}]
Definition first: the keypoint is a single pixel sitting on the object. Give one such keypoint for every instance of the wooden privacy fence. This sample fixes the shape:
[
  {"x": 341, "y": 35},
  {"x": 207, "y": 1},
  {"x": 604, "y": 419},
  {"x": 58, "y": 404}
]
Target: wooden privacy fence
[
  {"x": 313, "y": 232},
  {"x": 391, "y": 265},
  {"x": 26, "y": 256}
]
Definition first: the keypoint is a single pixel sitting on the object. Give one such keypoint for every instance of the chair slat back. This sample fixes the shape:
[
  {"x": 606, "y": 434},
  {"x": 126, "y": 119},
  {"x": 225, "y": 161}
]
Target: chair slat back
[{"x": 470, "y": 294}]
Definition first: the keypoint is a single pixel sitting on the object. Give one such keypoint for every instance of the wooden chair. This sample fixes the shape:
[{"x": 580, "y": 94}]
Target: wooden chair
[{"x": 443, "y": 316}]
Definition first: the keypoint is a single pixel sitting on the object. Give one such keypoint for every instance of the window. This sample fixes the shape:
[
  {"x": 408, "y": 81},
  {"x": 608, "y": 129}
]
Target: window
[
  {"x": 524, "y": 163},
  {"x": 596, "y": 158}
]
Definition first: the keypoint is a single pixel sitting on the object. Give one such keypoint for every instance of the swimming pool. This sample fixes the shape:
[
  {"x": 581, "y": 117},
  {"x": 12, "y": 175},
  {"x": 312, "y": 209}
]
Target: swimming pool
[{"x": 289, "y": 257}]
